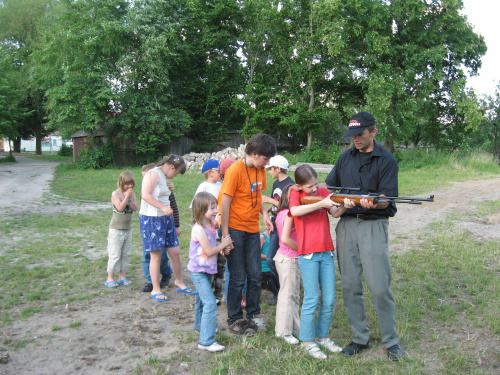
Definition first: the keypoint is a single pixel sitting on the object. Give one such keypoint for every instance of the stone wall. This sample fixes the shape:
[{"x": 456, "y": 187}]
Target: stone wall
[{"x": 194, "y": 161}]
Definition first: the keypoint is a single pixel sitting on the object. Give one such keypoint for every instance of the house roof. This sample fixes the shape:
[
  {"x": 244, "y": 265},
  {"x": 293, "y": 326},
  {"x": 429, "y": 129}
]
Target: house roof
[{"x": 81, "y": 133}]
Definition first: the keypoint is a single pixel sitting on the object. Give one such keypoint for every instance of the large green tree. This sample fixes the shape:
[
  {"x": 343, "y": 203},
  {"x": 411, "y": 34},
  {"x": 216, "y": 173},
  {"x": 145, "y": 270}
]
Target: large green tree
[
  {"x": 150, "y": 113},
  {"x": 77, "y": 66},
  {"x": 413, "y": 57},
  {"x": 21, "y": 25},
  {"x": 290, "y": 68},
  {"x": 10, "y": 98},
  {"x": 208, "y": 73}
]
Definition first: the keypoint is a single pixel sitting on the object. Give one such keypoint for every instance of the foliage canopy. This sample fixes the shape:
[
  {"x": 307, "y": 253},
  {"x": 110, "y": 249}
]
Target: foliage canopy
[{"x": 150, "y": 71}]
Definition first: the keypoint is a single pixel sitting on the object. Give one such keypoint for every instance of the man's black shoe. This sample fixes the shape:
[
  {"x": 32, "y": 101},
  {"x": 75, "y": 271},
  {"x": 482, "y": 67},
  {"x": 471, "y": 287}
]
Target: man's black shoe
[
  {"x": 354, "y": 348},
  {"x": 395, "y": 353},
  {"x": 147, "y": 287}
]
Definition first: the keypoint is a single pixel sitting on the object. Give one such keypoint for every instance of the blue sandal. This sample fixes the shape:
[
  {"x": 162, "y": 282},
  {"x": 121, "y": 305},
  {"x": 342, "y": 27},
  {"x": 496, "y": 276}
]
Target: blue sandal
[
  {"x": 187, "y": 290},
  {"x": 155, "y": 297},
  {"x": 111, "y": 284}
]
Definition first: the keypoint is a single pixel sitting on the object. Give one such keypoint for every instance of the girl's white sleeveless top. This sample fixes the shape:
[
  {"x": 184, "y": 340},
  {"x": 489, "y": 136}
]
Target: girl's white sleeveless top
[{"x": 161, "y": 192}]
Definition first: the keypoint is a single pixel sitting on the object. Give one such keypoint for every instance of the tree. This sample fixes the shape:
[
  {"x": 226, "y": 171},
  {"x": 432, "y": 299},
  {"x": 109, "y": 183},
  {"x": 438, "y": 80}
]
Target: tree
[
  {"x": 290, "y": 67},
  {"x": 415, "y": 55},
  {"x": 20, "y": 24},
  {"x": 490, "y": 127},
  {"x": 77, "y": 65},
  {"x": 207, "y": 72},
  {"x": 10, "y": 99}
]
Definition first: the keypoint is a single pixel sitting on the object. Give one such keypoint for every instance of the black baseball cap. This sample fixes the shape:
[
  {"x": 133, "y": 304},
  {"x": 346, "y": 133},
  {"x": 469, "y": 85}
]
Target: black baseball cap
[{"x": 359, "y": 122}]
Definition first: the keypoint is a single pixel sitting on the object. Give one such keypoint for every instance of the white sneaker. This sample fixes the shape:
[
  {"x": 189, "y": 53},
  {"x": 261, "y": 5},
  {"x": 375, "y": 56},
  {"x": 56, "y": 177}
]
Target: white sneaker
[
  {"x": 289, "y": 339},
  {"x": 329, "y": 345},
  {"x": 215, "y": 347},
  {"x": 260, "y": 322},
  {"x": 314, "y": 351}
]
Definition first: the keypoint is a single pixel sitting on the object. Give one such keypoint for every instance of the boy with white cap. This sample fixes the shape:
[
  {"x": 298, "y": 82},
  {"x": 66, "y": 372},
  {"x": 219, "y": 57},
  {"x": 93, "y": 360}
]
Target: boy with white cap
[{"x": 278, "y": 169}]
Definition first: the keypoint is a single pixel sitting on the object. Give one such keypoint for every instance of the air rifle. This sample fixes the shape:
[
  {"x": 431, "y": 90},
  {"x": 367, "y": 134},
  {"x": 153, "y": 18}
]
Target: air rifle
[{"x": 356, "y": 198}]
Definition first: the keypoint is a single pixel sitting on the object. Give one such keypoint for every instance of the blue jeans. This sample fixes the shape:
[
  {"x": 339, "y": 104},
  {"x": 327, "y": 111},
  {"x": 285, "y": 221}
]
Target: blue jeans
[
  {"x": 274, "y": 244},
  {"x": 244, "y": 264},
  {"x": 226, "y": 282},
  {"x": 319, "y": 270},
  {"x": 205, "y": 308},
  {"x": 165, "y": 269}
]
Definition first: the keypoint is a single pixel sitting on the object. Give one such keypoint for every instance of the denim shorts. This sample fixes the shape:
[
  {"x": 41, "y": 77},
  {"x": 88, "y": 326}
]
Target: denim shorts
[{"x": 157, "y": 232}]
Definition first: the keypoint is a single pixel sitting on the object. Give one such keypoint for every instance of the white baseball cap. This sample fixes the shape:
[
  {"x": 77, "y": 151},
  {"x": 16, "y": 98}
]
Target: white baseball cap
[{"x": 278, "y": 161}]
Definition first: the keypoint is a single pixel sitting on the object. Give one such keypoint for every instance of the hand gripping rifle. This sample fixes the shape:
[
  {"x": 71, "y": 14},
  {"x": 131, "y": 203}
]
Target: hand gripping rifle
[{"x": 372, "y": 197}]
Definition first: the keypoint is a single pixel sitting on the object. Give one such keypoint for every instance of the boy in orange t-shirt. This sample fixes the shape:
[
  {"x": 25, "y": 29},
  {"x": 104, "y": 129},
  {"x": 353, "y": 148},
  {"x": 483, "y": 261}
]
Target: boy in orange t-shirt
[{"x": 241, "y": 203}]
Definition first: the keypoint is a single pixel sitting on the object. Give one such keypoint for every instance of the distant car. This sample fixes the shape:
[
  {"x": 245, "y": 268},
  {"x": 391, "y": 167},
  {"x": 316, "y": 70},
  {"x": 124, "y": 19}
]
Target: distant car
[{"x": 68, "y": 142}]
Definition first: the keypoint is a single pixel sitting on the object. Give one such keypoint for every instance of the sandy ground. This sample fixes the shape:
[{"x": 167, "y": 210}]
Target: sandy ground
[{"x": 121, "y": 330}]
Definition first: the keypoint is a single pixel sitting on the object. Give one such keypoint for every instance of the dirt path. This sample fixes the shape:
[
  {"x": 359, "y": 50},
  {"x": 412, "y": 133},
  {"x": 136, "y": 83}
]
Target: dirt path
[
  {"x": 460, "y": 197},
  {"x": 25, "y": 187},
  {"x": 120, "y": 330}
]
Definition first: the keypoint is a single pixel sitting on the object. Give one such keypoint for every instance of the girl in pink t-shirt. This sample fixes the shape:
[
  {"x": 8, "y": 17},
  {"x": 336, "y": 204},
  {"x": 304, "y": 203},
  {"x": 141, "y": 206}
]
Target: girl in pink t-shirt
[
  {"x": 287, "y": 308},
  {"x": 316, "y": 260}
]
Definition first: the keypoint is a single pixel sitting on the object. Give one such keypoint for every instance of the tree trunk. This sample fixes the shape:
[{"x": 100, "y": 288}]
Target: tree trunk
[
  {"x": 309, "y": 139},
  {"x": 310, "y": 109},
  {"x": 497, "y": 148},
  {"x": 17, "y": 145},
  {"x": 38, "y": 138}
]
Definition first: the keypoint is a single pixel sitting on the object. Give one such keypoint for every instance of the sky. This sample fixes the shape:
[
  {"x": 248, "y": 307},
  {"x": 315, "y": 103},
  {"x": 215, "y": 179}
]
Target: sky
[{"x": 483, "y": 15}]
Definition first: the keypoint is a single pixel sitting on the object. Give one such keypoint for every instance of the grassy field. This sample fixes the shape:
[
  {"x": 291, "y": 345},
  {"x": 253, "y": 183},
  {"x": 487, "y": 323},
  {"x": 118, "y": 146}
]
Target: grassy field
[{"x": 449, "y": 280}]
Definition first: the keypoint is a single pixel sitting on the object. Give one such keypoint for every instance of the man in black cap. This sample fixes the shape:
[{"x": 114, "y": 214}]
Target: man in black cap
[{"x": 362, "y": 235}]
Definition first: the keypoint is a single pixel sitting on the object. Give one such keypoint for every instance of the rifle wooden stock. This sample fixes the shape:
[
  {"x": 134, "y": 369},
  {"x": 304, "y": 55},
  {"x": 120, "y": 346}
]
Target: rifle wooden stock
[{"x": 339, "y": 198}]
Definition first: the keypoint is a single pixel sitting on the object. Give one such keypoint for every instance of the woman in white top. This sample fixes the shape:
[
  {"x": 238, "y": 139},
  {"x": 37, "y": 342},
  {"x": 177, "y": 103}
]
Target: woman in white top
[{"x": 156, "y": 222}]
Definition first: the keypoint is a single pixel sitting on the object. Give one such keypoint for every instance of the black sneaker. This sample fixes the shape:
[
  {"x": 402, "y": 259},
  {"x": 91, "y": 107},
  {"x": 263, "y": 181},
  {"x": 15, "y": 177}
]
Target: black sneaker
[
  {"x": 354, "y": 348},
  {"x": 147, "y": 287},
  {"x": 165, "y": 280},
  {"x": 242, "y": 327},
  {"x": 395, "y": 353}
]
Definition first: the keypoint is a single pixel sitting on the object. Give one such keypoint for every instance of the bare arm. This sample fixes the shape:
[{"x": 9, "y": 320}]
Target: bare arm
[
  {"x": 287, "y": 231},
  {"x": 224, "y": 213},
  {"x": 198, "y": 234},
  {"x": 267, "y": 222},
  {"x": 121, "y": 202},
  {"x": 339, "y": 211},
  {"x": 148, "y": 185},
  {"x": 305, "y": 209},
  {"x": 266, "y": 199}
]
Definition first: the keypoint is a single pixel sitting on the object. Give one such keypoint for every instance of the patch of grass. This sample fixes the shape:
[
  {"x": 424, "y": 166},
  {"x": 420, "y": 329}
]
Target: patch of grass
[
  {"x": 8, "y": 159},
  {"x": 52, "y": 260},
  {"x": 56, "y": 328},
  {"x": 26, "y": 313},
  {"x": 20, "y": 344},
  {"x": 75, "y": 324},
  {"x": 419, "y": 170},
  {"x": 157, "y": 366},
  {"x": 488, "y": 208}
]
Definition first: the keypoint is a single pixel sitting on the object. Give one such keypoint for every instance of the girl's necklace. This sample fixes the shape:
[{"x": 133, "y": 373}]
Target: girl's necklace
[{"x": 256, "y": 184}]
